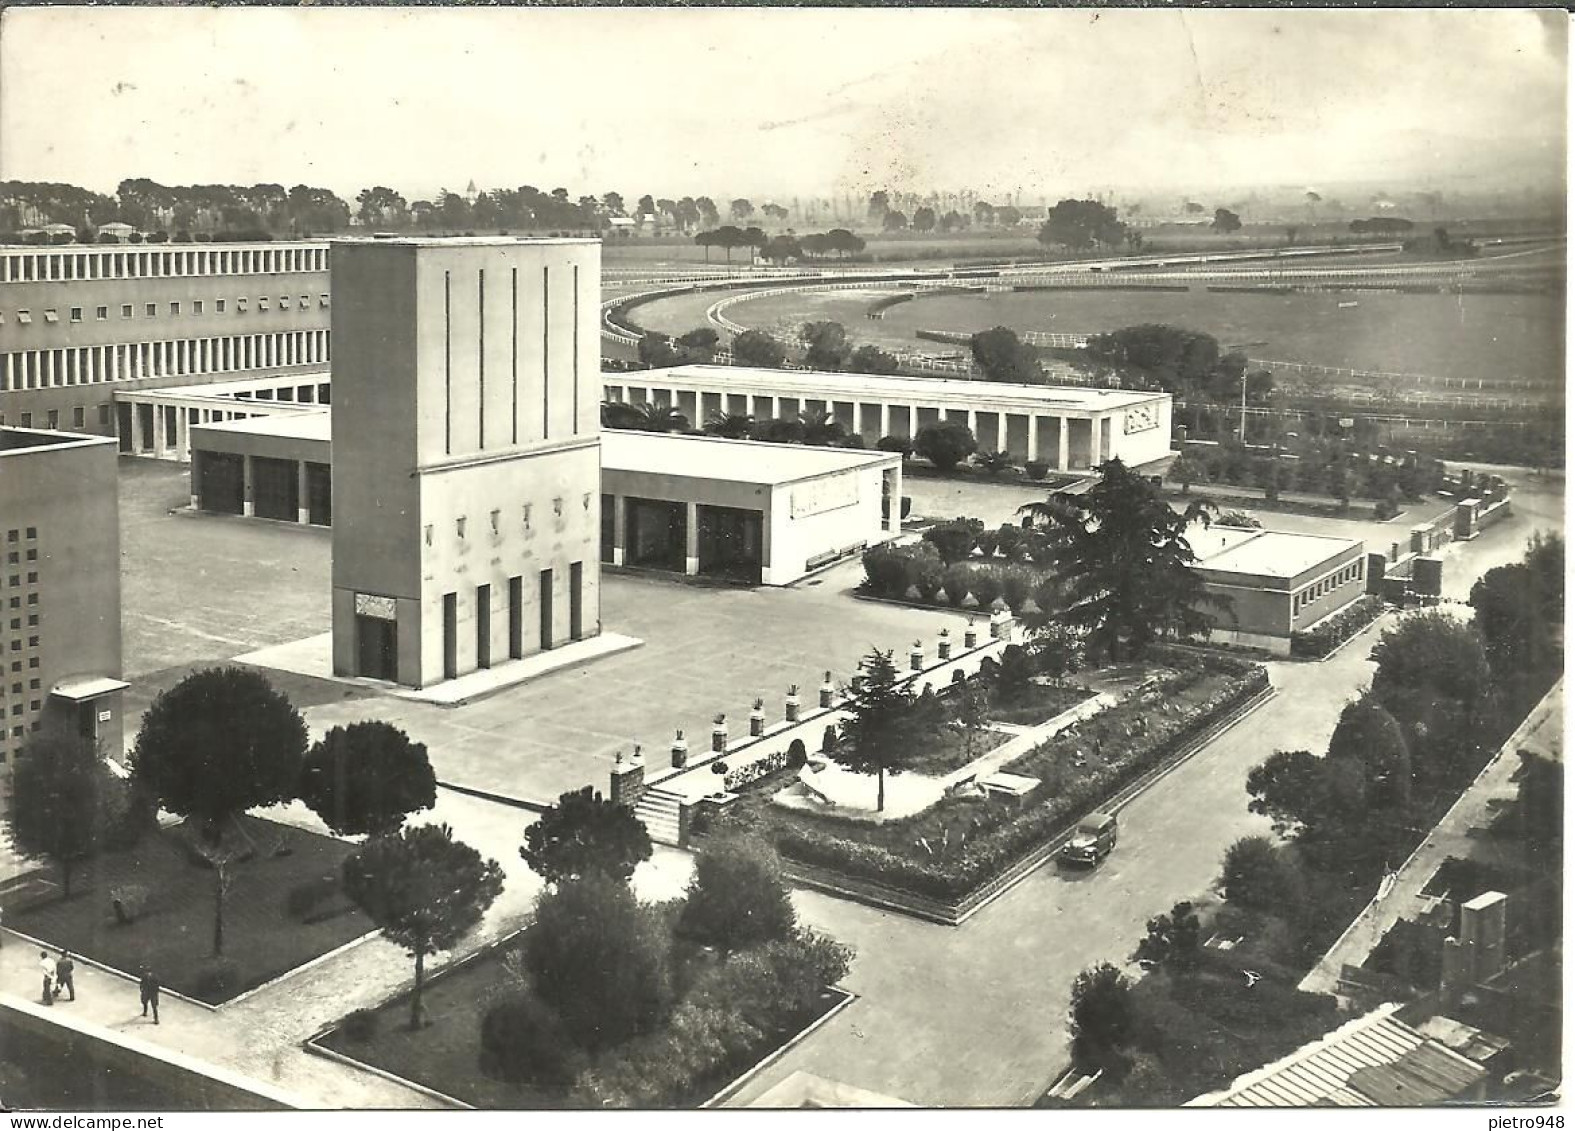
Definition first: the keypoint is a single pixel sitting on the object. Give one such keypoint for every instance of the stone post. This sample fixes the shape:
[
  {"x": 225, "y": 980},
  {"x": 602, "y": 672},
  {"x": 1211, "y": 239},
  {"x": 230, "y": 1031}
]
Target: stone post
[
  {"x": 628, "y": 779},
  {"x": 719, "y": 734},
  {"x": 828, "y": 690},
  {"x": 971, "y": 635},
  {"x": 916, "y": 657},
  {"x": 680, "y": 751},
  {"x": 792, "y": 704},
  {"x": 757, "y": 719},
  {"x": 944, "y": 648}
]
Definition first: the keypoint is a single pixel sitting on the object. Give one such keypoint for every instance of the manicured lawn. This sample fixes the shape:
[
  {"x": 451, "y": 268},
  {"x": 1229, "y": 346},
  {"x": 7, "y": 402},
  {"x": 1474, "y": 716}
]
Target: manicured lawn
[
  {"x": 174, "y": 934},
  {"x": 1035, "y": 704},
  {"x": 446, "y": 1055},
  {"x": 946, "y": 749}
]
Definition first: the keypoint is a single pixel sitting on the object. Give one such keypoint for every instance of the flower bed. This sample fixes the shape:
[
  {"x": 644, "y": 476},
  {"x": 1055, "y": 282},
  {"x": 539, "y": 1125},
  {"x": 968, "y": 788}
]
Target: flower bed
[
  {"x": 964, "y": 841},
  {"x": 1316, "y": 643}
]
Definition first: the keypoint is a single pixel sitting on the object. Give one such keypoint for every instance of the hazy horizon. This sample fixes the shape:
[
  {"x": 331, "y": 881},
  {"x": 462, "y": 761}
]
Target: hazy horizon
[{"x": 777, "y": 103}]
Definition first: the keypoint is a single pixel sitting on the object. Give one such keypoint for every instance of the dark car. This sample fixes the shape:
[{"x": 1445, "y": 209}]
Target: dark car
[{"x": 1091, "y": 841}]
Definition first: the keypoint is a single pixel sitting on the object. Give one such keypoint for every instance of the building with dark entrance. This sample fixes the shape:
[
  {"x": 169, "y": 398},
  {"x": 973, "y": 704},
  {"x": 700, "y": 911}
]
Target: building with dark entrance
[
  {"x": 742, "y": 510},
  {"x": 467, "y": 387},
  {"x": 59, "y": 591},
  {"x": 274, "y": 467}
]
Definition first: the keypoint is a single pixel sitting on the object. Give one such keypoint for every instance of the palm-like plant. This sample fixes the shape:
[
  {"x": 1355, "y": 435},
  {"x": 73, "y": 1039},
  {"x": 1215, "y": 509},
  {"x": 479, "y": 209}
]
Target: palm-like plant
[
  {"x": 994, "y": 464},
  {"x": 730, "y": 425},
  {"x": 661, "y": 418},
  {"x": 821, "y": 429},
  {"x": 617, "y": 414}
]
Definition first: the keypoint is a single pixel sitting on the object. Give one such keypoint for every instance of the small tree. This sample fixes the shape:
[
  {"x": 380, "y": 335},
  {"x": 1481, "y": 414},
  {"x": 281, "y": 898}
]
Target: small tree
[
  {"x": 755, "y": 347},
  {"x": 1102, "y": 1014},
  {"x": 877, "y": 736},
  {"x": 219, "y": 742},
  {"x": 1369, "y": 735},
  {"x": 973, "y": 704},
  {"x": 994, "y": 464},
  {"x": 523, "y": 1041},
  {"x": 1172, "y": 940},
  {"x": 955, "y": 540},
  {"x": 826, "y": 345},
  {"x": 1188, "y": 469},
  {"x": 600, "y": 959},
  {"x": 65, "y": 802},
  {"x": 1253, "y": 875},
  {"x": 367, "y": 778},
  {"x": 424, "y": 890},
  {"x": 738, "y": 897},
  {"x": 945, "y": 445},
  {"x": 1239, "y": 519},
  {"x": 1001, "y": 356},
  {"x": 583, "y": 835}
]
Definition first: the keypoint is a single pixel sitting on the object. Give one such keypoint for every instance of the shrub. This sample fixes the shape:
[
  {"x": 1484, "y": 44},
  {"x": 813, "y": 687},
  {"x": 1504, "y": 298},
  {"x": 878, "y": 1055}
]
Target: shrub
[
  {"x": 1318, "y": 642},
  {"x": 828, "y": 739},
  {"x": 523, "y": 1041},
  {"x": 307, "y": 896},
  {"x": 956, "y": 539},
  {"x": 1036, "y": 468},
  {"x": 738, "y": 897},
  {"x": 986, "y": 587},
  {"x": 956, "y": 581},
  {"x": 796, "y": 754},
  {"x": 1008, "y": 538},
  {"x": 1016, "y": 584},
  {"x": 128, "y": 902},
  {"x": 988, "y": 543},
  {"x": 360, "y": 1026},
  {"x": 928, "y": 572},
  {"x": 217, "y": 978}
]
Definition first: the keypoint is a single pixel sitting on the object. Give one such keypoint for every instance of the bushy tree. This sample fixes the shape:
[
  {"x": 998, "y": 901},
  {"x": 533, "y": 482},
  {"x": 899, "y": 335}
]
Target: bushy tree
[
  {"x": 1173, "y": 939},
  {"x": 583, "y": 834},
  {"x": 1002, "y": 356},
  {"x": 1225, "y": 222},
  {"x": 524, "y": 1041},
  {"x": 955, "y": 540},
  {"x": 600, "y": 959},
  {"x": 367, "y": 778},
  {"x": 1103, "y": 1018},
  {"x": 756, "y": 347},
  {"x": 873, "y": 359},
  {"x": 737, "y": 897},
  {"x": 1188, "y": 469},
  {"x": 945, "y": 444},
  {"x": 1520, "y": 611},
  {"x": 1317, "y": 798},
  {"x": 1081, "y": 224},
  {"x": 1124, "y": 558},
  {"x": 877, "y": 736},
  {"x": 656, "y": 350},
  {"x": 1254, "y": 875},
  {"x": 66, "y": 804},
  {"x": 1369, "y": 736},
  {"x": 826, "y": 345},
  {"x": 1433, "y": 677},
  {"x": 424, "y": 890},
  {"x": 220, "y": 742}
]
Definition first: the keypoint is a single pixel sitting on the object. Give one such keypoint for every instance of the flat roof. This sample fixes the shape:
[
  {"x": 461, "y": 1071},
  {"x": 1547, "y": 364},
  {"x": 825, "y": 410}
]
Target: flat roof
[
  {"x": 738, "y": 461},
  {"x": 1263, "y": 553},
  {"x": 813, "y": 382},
  {"x": 462, "y": 241},
  {"x": 20, "y": 441},
  {"x": 290, "y": 425}
]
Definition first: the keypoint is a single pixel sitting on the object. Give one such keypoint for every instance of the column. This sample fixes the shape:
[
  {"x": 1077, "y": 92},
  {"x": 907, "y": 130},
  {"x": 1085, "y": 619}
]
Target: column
[
  {"x": 49, "y": 369},
  {"x": 776, "y": 408},
  {"x": 246, "y": 489},
  {"x": 160, "y": 449},
  {"x": 885, "y": 418},
  {"x": 1033, "y": 437},
  {"x": 1065, "y": 436},
  {"x": 303, "y": 512},
  {"x": 620, "y": 521},
  {"x": 691, "y": 538},
  {"x": 973, "y": 421},
  {"x": 182, "y": 437},
  {"x": 1000, "y": 431}
]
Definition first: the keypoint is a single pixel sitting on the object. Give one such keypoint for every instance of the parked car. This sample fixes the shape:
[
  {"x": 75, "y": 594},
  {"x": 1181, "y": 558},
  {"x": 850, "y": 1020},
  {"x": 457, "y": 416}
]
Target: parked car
[{"x": 1091, "y": 841}]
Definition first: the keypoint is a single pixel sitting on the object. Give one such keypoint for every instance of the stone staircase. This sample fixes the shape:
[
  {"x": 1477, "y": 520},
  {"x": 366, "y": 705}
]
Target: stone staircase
[{"x": 658, "y": 809}]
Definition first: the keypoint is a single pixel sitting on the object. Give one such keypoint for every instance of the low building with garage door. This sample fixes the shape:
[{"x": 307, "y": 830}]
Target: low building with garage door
[{"x": 272, "y": 467}]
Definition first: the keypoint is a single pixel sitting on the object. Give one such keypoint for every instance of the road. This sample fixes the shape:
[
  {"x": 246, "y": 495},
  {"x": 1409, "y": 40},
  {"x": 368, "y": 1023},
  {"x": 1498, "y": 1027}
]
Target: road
[{"x": 975, "y": 1015}]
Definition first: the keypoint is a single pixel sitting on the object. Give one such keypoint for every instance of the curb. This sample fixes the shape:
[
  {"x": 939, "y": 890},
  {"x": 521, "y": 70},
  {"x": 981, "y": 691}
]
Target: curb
[
  {"x": 497, "y": 798},
  {"x": 164, "y": 991},
  {"x": 730, "y": 1090},
  {"x": 303, "y": 967},
  {"x": 312, "y": 1047}
]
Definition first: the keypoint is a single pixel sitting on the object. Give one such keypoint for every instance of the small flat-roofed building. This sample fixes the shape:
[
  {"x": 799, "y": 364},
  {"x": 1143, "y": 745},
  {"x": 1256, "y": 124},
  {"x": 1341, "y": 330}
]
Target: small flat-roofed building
[
  {"x": 265, "y": 467},
  {"x": 1071, "y": 429},
  {"x": 755, "y": 512},
  {"x": 1276, "y": 583},
  {"x": 60, "y": 658}
]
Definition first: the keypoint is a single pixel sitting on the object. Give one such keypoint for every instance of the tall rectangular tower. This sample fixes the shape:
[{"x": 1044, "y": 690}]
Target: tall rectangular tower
[{"x": 466, "y": 500}]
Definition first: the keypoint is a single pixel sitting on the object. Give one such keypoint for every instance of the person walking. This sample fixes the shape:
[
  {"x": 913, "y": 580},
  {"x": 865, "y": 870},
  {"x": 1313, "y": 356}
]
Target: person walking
[
  {"x": 47, "y": 966},
  {"x": 64, "y": 969},
  {"x": 149, "y": 985}
]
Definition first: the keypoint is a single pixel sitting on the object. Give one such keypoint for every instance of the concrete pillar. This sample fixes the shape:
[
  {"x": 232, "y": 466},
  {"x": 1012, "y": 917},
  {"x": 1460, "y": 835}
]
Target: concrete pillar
[
  {"x": 1064, "y": 454},
  {"x": 619, "y": 523},
  {"x": 1033, "y": 437},
  {"x": 885, "y": 418},
  {"x": 973, "y": 422},
  {"x": 1000, "y": 431},
  {"x": 247, "y": 508},
  {"x": 182, "y": 436},
  {"x": 691, "y": 538},
  {"x": 628, "y": 780},
  {"x": 680, "y": 751},
  {"x": 303, "y": 512}
]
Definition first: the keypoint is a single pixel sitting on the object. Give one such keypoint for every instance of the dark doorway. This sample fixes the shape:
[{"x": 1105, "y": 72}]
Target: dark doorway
[
  {"x": 377, "y": 643},
  {"x": 319, "y": 495},
  {"x": 576, "y": 599},
  {"x": 450, "y": 635},
  {"x": 483, "y": 626},
  {"x": 144, "y": 441},
  {"x": 729, "y": 543},
  {"x": 275, "y": 489},
  {"x": 546, "y": 609},
  {"x": 123, "y": 426},
  {"x": 516, "y": 617},
  {"x": 656, "y": 534},
  {"x": 221, "y": 482},
  {"x": 609, "y": 519}
]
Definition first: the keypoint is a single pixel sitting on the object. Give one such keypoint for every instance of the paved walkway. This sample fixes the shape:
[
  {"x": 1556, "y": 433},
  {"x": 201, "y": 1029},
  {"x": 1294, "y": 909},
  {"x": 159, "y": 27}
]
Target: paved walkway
[{"x": 1401, "y": 898}]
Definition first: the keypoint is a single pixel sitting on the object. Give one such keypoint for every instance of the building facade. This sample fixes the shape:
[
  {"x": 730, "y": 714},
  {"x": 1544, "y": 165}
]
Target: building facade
[
  {"x": 78, "y": 323},
  {"x": 60, "y": 658},
  {"x": 1069, "y": 429},
  {"x": 1275, "y": 583},
  {"x": 465, "y": 446}
]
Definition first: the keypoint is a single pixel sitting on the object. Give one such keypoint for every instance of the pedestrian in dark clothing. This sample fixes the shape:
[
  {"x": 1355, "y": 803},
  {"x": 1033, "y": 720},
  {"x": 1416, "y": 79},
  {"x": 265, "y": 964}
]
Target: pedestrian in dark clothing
[
  {"x": 64, "y": 968},
  {"x": 149, "y": 985},
  {"x": 47, "y": 966}
]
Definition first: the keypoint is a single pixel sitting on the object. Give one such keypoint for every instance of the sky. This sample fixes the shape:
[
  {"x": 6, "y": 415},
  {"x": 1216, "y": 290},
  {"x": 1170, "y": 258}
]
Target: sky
[{"x": 778, "y": 103}]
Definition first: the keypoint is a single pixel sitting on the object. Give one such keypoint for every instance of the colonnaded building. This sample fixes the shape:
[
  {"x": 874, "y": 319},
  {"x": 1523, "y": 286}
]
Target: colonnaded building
[
  {"x": 466, "y": 465},
  {"x": 60, "y": 658},
  {"x": 79, "y": 324}
]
